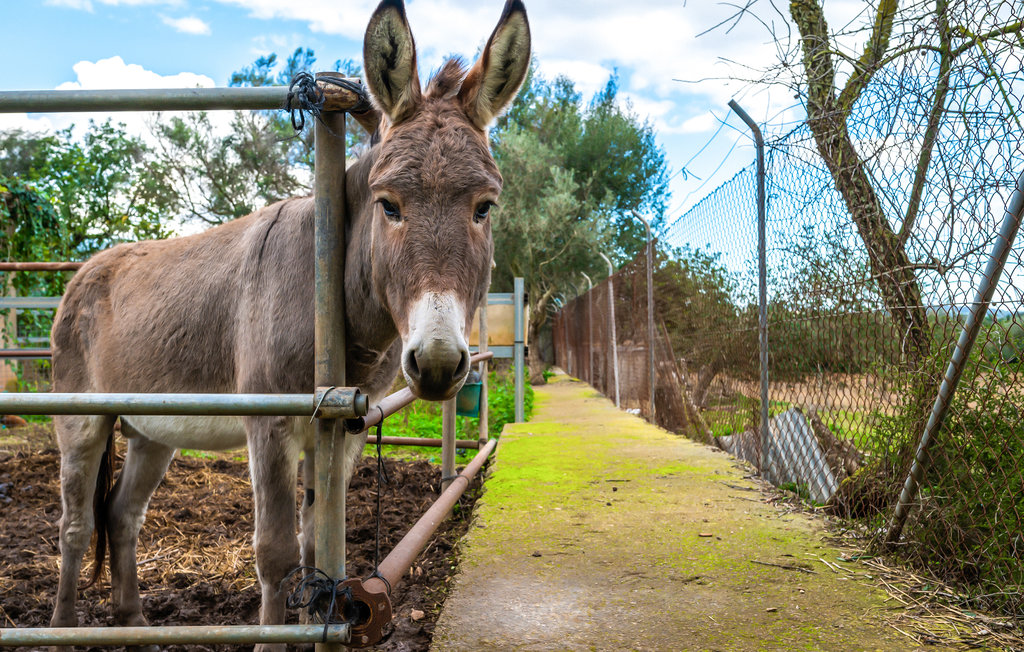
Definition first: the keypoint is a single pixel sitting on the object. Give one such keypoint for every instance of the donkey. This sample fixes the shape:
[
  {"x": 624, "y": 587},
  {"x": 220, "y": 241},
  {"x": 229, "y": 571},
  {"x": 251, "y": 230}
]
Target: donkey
[{"x": 231, "y": 310}]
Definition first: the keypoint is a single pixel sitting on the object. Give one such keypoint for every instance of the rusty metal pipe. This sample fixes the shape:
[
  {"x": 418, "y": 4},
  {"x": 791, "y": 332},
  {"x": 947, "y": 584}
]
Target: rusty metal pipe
[
  {"x": 176, "y": 635},
  {"x": 421, "y": 441},
  {"x": 39, "y": 267},
  {"x": 396, "y": 564},
  {"x": 26, "y": 354},
  {"x": 394, "y": 402}
]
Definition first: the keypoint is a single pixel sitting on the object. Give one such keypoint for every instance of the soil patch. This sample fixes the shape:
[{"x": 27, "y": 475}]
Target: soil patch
[{"x": 196, "y": 563}]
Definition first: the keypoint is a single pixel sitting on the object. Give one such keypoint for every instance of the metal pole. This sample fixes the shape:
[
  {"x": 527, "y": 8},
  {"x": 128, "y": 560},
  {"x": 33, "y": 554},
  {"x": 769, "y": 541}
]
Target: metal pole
[
  {"x": 482, "y": 348},
  {"x": 329, "y": 460},
  {"x": 986, "y": 288},
  {"x": 338, "y": 402},
  {"x": 167, "y": 99},
  {"x": 611, "y": 326},
  {"x": 447, "y": 443},
  {"x": 590, "y": 329},
  {"x": 762, "y": 279},
  {"x": 39, "y": 267},
  {"x": 519, "y": 352},
  {"x": 396, "y": 565},
  {"x": 650, "y": 313},
  {"x": 172, "y": 635}
]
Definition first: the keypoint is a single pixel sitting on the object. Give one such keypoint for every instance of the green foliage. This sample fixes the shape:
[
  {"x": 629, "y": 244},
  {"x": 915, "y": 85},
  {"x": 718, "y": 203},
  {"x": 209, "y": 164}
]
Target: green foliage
[
  {"x": 966, "y": 527},
  {"x": 573, "y": 172},
  {"x": 64, "y": 197},
  {"x": 423, "y": 418},
  {"x": 100, "y": 187}
]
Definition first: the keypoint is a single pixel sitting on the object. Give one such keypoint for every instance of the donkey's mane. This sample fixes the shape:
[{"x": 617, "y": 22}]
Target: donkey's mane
[{"x": 447, "y": 81}]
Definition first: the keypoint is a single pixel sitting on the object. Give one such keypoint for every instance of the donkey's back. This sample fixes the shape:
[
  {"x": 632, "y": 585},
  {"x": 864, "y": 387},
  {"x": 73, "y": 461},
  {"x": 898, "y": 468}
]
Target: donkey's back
[{"x": 187, "y": 314}]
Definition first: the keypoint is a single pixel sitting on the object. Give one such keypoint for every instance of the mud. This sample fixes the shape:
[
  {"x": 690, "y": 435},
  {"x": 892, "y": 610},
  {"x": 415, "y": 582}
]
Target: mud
[{"x": 195, "y": 553}]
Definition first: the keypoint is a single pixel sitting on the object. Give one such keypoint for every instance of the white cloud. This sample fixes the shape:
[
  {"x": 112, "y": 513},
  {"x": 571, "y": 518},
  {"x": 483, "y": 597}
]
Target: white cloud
[
  {"x": 111, "y": 73},
  {"x": 115, "y": 73},
  {"x": 188, "y": 25}
]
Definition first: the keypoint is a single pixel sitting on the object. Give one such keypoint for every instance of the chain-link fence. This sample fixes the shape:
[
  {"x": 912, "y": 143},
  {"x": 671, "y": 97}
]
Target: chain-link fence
[
  {"x": 859, "y": 338},
  {"x": 602, "y": 337}
]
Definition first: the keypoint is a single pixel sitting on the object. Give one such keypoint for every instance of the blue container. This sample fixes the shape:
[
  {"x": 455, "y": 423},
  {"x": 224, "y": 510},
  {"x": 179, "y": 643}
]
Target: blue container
[{"x": 467, "y": 401}]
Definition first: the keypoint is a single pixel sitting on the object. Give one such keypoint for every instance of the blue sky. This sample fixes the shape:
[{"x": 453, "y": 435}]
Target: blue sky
[{"x": 160, "y": 43}]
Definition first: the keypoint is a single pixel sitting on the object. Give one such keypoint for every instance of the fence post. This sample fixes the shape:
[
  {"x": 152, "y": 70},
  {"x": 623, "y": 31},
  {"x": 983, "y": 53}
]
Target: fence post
[
  {"x": 447, "y": 443},
  {"x": 986, "y": 288},
  {"x": 482, "y": 348},
  {"x": 329, "y": 193},
  {"x": 518, "y": 292},
  {"x": 611, "y": 323},
  {"x": 650, "y": 313},
  {"x": 590, "y": 329},
  {"x": 762, "y": 280}
]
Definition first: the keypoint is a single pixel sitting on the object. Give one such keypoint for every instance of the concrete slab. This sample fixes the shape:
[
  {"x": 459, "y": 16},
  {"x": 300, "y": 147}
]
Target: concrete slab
[{"x": 598, "y": 531}]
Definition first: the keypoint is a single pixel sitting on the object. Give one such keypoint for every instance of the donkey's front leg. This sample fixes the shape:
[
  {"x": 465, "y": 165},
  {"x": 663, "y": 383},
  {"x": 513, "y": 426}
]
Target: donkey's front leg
[{"x": 273, "y": 464}]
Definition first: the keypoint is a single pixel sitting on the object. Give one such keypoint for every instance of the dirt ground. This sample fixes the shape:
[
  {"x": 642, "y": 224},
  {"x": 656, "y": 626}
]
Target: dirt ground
[{"x": 195, "y": 553}]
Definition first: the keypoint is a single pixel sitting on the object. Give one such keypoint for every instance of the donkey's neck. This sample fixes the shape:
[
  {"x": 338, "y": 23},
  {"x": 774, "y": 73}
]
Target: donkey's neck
[{"x": 373, "y": 344}]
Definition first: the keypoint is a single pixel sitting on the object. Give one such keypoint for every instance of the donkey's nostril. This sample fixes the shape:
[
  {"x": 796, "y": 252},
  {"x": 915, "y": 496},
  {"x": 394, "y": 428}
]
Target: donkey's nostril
[
  {"x": 463, "y": 367},
  {"x": 411, "y": 366}
]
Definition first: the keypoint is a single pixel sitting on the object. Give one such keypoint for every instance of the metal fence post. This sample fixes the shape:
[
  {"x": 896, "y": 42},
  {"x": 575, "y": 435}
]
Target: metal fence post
[
  {"x": 986, "y": 288},
  {"x": 650, "y": 311},
  {"x": 762, "y": 280},
  {"x": 448, "y": 423},
  {"x": 482, "y": 348},
  {"x": 590, "y": 329},
  {"x": 611, "y": 326},
  {"x": 329, "y": 193},
  {"x": 518, "y": 292}
]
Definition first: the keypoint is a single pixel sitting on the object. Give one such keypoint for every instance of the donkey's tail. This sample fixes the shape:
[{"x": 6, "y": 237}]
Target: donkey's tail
[{"x": 104, "y": 483}]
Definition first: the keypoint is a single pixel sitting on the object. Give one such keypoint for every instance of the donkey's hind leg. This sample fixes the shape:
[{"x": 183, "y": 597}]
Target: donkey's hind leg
[
  {"x": 145, "y": 463},
  {"x": 82, "y": 441}
]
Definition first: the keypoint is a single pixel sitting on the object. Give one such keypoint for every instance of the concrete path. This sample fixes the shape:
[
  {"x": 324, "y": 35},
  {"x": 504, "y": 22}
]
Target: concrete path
[{"x": 598, "y": 531}]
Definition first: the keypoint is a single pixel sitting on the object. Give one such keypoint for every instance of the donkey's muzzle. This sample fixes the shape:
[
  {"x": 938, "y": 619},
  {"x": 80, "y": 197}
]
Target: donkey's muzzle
[{"x": 436, "y": 369}]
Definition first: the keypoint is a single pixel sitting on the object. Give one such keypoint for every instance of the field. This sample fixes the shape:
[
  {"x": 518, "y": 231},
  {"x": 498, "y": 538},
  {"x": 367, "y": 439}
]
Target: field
[{"x": 195, "y": 556}]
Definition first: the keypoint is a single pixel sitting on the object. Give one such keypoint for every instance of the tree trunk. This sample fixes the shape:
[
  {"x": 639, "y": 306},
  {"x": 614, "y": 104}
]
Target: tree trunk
[{"x": 827, "y": 114}]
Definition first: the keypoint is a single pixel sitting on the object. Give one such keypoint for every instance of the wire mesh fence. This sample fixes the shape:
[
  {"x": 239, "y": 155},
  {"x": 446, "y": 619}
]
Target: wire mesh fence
[{"x": 859, "y": 339}]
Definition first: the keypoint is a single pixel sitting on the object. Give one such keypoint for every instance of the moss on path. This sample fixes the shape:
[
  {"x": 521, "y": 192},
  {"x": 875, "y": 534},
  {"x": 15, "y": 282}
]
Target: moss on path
[{"x": 600, "y": 531}]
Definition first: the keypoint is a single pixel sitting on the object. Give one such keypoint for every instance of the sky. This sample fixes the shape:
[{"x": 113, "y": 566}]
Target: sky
[{"x": 673, "y": 76}]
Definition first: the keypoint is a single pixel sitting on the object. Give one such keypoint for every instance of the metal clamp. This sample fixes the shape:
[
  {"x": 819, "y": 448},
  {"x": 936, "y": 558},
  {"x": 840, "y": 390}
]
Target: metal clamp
[
  {"x": 368, "y": 613},
  {"x": 339, "y": 403}
]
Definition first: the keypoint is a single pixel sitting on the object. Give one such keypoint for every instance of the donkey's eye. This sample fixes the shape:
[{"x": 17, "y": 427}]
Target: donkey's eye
[
  {"x": 482, "y": 211},
  {"x": 390, "y": 210}
]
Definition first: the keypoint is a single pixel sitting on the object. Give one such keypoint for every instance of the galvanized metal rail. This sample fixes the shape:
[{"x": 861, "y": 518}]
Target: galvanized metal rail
[
  {"x": 326, "y": 403},
  {"x": 173, "y": 635},
  {"x": 336, "y": 98}
]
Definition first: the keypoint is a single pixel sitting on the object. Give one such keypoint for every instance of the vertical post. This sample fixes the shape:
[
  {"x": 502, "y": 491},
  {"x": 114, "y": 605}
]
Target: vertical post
[
  {"x": 447, "y": 443},
  {"x": 986, "y": 288},
  {"x": 611, "y": 326},
  {"x": 329, "y": 329},
  {"x": 762, "y": 280},
  {"x": 482, "y": 348},
  {"x": 650, "y": 314},
  {"x": 519, "y": 352},
  {"x": 590, "y": 329}
]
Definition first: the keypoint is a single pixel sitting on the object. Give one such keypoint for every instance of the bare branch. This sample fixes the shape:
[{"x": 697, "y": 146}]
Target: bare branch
[{"x": 874, "y": 52}]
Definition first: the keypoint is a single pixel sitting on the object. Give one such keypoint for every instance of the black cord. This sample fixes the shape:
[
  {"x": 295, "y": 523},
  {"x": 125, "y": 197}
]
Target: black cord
[
  {"x": 320, "y": 585},
  {"x": 306, "y": 96}
]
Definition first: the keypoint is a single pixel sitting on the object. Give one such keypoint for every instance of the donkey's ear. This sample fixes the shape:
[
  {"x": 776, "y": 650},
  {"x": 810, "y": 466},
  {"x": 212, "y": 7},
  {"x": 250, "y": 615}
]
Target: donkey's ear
[
  {"x": 495, "y": 78},
  {"x": 389, "y": 61}
]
